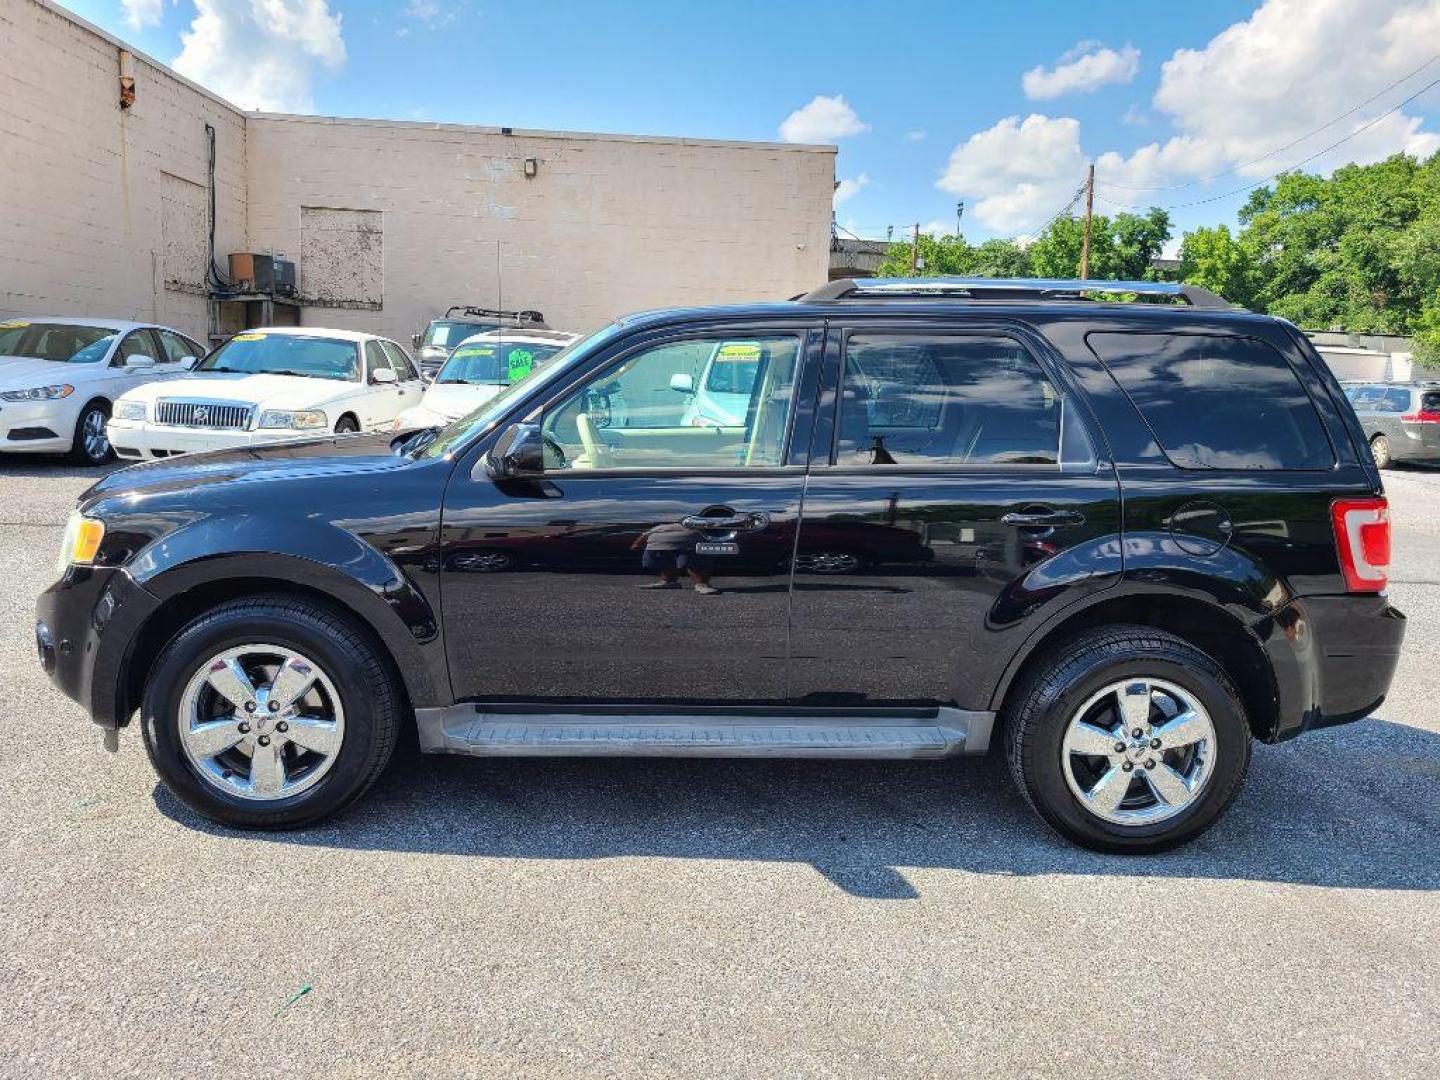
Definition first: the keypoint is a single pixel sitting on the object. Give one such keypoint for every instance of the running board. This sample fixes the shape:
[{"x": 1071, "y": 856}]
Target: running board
[{"x": 481, "y": 730}]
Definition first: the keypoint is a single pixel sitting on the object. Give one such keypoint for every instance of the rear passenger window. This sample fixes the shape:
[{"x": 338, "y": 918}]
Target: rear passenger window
[
  {"x": 1217, "y": 401},
  {"x": 941, "y": 400}
]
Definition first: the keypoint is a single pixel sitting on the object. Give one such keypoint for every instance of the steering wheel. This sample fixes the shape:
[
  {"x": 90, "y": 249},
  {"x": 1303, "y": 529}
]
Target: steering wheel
[{"x": 595, "y": 450}]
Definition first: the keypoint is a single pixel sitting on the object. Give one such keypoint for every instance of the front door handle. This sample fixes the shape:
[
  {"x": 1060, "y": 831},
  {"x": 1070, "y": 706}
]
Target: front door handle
[
  {"x": 752, "y": 522},
  {"x": 1044, "y": 519}
]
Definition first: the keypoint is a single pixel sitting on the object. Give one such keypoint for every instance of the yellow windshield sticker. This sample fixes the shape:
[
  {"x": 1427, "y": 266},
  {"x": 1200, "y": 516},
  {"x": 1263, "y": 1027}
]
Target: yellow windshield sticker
[
  {"x": 736, "y": 351},
  {"x": 248, "y": 337},
  {"x": 13, "y": 324}
]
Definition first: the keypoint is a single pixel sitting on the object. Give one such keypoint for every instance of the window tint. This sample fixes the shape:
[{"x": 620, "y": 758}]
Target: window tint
[
  {"x": 177, "y": 347},
  {"x": 647, "y": 413},
  {"x": 1217, "y": 401},
  {"x": 943, "y": 400},
  {"x": 136, "y": 343},
  {"x": 1430, "y": 402},
  {"x": 400, "y": 361}
]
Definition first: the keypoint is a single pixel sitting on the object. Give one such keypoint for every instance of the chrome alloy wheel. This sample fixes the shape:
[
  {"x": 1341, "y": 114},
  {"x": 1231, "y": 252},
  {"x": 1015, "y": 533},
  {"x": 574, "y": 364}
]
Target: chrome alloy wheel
[
  {"x": 1138, "y": 751},
  {"x": 261, "y": 722},
  {"x": 93, "y": 435}
]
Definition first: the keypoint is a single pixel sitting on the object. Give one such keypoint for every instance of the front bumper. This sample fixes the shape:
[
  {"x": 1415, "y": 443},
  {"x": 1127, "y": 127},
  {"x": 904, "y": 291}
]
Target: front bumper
[
  {"x": 85, "y": 626},
  {"x": 138, "y": 439},
  {"x": 39, "y": 427},
  {"x": 1333, "y": 658}
]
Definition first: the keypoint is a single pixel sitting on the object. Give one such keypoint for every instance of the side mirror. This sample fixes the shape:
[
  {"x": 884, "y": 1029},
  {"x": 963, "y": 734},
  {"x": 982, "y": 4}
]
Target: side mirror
[
  {"x": 518, "y": 453},
  {"x": 138, "y": 363},
  {"x": 383, "y": 375},
  {"x": 415, "y": 340},
  {"x": 187, "y": 363},
  {"x": 683, "y": 383}
]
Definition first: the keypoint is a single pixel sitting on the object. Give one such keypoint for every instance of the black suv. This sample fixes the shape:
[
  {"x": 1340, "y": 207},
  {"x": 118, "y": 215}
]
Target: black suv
[{"x": 1124, "y": 535}]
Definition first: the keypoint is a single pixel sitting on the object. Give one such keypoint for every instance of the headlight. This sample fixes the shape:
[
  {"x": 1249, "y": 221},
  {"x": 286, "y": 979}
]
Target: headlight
[
  {"x": 129, "y": 410},
  {"x": 293, "y": 418},
  {"x": 81, "y": 541},
  {"x": 40, "y": 393}
]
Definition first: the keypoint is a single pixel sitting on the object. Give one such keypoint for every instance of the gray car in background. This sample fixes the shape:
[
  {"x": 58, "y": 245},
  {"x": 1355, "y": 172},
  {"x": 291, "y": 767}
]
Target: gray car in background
[{"x": 1401, "y": 420}]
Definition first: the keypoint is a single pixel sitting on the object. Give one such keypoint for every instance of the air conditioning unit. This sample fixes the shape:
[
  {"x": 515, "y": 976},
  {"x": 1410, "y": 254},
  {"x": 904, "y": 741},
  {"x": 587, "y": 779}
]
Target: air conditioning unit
[{"x": 252, "y": 272}]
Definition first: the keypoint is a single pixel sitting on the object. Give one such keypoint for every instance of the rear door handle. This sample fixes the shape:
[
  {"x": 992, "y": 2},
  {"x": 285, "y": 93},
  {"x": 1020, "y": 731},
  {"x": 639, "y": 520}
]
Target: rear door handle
[
  {"x": 753, "y": 522},
  {"x": 1044, "y": 519}
]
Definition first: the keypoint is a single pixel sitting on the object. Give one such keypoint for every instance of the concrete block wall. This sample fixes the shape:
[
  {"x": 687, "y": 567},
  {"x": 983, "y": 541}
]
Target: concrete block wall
[
  {"x": 82, "y": 181},
  {"x": 609, "y": 223}
]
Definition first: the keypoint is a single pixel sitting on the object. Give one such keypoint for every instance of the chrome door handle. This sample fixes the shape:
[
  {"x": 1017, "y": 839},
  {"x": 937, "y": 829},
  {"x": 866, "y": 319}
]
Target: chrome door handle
[
  {"x": 752, "y": 522},
  {"x": 1044, "y": 519}
]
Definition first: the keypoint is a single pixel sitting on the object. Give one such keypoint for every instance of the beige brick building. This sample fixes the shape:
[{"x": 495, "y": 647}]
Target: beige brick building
[{"x": 104, "y": 210}]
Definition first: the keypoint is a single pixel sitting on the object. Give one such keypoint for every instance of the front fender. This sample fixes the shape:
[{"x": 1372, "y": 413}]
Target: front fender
[{"x": 316, "y": 556}]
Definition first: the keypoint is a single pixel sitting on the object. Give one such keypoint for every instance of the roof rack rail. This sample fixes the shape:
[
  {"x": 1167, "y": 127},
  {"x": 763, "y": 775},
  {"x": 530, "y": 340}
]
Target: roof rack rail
[
  {"x": 524, "y": 315},
  {"x": 968, "y": 288}
]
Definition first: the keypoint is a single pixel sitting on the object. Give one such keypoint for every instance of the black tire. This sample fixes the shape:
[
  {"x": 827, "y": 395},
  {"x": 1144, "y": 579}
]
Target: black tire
[
  {"x": 1038, "y": 712},
  {"x": 78, "y": 450},
  {"x": 346, "y": 425},
  {"x": 367, "y": 691},
  {"x": 1380, "y": 450}
]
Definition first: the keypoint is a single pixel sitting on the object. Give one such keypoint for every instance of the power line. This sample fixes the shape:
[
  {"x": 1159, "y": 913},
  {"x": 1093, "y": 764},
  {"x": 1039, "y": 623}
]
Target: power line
[
  {"x": 1288, "y": 168},
  {"x": 1281, "y": 149}
]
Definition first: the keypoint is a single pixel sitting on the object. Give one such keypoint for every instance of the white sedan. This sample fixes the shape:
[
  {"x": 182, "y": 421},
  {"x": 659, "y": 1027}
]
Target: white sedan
[
  {"x": 268, "y": 385},
  {"x": 59, "y": 379},
  {"x": 479, "y": 368}
]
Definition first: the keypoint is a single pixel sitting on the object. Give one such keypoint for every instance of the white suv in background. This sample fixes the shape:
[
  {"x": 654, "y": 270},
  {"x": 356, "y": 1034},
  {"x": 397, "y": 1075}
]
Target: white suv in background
[
  {"x": 59, "y": 378},
  {"x": 268, "y": 385}
]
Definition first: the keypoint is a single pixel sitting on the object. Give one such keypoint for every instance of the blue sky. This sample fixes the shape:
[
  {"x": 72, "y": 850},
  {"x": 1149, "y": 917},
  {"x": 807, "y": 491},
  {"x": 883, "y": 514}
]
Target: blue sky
[{"x": 930, "y": 103}]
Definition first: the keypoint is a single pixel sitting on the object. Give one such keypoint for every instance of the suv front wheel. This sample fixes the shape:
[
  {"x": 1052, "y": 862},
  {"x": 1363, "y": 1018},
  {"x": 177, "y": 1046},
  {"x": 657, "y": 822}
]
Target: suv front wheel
[
  {"x": 1128, "y": 739},
  {"x": 270, "y": 713}
]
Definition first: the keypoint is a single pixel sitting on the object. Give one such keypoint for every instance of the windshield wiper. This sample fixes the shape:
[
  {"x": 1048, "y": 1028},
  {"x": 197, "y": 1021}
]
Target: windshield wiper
[{"x": 301, "y": 374}]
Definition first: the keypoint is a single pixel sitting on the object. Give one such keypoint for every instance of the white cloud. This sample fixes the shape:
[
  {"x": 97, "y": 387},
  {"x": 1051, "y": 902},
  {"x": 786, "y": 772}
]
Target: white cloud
[
  {"x": 847, "y": 189},
  {"x": 1256, "y": 86},
  {"x": 1083, "y": 69},
  {"x": 261, "y": 54},
  {"x": 1135, "y": 116},
  {"x": 938, "y": 228},
  {"x": 1018, "y": 171},
  {"x": 432, "y": 13},
  {"x": 142, "y": 13},
  {"x": 916, "y": 136},
  {"x": 1295, "y": 65},
  {"x": 824, "y": 120}
]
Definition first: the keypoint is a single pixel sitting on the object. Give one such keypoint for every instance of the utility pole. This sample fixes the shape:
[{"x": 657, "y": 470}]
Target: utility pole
[
  {"x": 915, "y": 252},
  {"x": 959, "y": 213},
  {"x": 1089, "y": 213}
]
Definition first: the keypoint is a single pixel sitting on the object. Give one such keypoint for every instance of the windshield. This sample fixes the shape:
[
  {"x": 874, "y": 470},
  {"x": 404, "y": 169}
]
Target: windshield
[
  {"x": 447, "y": 333},
  {"x": 477, "y": 422},
  {"x": 733, "y": 368},
  {"x": 286, "y": 354},
  {"x": 63, "y": 342},
  {"x": 494, "y": 363}
]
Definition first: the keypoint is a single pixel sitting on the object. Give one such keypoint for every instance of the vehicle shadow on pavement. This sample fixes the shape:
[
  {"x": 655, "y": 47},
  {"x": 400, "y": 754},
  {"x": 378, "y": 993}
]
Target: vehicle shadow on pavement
[{"x": 1354, "y": 807}]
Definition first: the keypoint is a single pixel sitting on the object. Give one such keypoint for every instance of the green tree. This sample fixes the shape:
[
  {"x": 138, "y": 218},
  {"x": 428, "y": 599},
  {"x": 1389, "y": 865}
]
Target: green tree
[{"x": 1215, "y": 260}]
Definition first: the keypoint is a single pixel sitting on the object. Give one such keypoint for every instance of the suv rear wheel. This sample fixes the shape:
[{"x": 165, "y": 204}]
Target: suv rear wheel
[
  {"x": 1128, "y": 739},
  {"x": 269, "y": 713},
  {"x": 1380, "y": 448}
]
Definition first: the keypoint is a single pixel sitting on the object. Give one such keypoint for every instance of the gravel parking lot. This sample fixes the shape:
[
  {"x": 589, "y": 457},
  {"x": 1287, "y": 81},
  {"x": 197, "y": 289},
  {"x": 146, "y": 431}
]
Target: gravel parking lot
[{"x": 714, "y": 918}]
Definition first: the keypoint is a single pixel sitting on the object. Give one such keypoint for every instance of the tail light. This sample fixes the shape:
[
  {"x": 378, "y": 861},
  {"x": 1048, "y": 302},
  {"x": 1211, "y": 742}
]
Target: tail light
[
  {"x": 1424, "y": 416},
  {"x": 1362, "y": 539}
]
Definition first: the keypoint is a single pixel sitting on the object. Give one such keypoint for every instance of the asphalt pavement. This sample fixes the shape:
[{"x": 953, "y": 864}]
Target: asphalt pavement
[{"x": 702, "y": 918}]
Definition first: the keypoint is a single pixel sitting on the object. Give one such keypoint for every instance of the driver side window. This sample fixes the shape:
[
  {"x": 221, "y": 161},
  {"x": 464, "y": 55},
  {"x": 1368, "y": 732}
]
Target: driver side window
[{"x": 713, "y": 402}]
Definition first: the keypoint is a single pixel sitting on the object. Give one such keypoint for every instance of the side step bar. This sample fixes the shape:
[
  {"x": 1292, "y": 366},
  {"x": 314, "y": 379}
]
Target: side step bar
[{"x": 482, "y": 730}]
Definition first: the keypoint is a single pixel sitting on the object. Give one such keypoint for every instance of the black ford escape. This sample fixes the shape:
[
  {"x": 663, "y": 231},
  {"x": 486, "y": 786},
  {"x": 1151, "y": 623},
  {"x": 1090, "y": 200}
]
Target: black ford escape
[{"x": 1124, "y": 537}]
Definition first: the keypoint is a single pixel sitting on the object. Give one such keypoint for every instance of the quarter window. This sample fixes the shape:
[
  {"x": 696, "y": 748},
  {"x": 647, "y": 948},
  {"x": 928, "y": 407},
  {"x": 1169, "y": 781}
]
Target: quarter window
[
  {"x": 656, "y": 409},
  {"x": 1217, "y": 401},
  {"x": 945, "y": 400}
]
